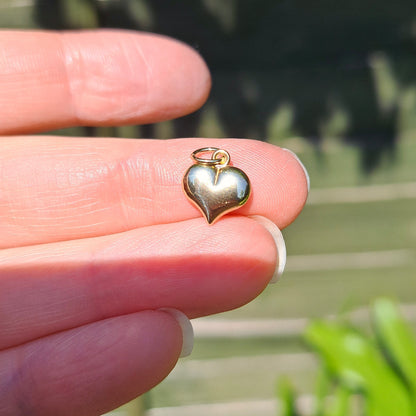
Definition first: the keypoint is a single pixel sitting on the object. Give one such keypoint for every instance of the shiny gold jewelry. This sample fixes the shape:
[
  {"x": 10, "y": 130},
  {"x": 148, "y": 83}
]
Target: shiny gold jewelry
[{"x": 213, "y": 186}]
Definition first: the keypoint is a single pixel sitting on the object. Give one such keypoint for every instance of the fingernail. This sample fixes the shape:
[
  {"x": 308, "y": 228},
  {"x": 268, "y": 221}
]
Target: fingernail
[
  {"x": 303, "y": 166},
  {"x": 277, "y": 235},
  {"x": 187, "y": 330}
]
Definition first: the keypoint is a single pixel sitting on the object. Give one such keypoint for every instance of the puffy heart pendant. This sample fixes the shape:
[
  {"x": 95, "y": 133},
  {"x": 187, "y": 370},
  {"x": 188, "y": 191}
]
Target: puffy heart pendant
[{"x": 213, "y": 186}]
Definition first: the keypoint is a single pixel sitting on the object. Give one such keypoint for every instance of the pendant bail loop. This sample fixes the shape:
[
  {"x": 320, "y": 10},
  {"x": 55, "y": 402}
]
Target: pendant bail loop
[{"x": 222, "y": 160}]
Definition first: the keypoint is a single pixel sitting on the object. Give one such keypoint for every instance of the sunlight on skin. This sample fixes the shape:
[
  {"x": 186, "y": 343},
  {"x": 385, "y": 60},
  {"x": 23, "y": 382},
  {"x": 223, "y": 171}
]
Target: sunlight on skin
[{"x": 97, "y": 234}]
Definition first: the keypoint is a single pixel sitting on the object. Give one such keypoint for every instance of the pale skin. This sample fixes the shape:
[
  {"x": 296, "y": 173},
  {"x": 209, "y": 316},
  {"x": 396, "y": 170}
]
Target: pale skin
[{"x": 96, "y": 235}]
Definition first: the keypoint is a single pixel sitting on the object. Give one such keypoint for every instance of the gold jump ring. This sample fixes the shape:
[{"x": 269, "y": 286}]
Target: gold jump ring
[{"x": 224, "y": 160}]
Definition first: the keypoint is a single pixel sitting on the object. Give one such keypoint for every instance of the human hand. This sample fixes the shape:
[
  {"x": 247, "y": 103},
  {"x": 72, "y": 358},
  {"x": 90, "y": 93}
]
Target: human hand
[{"x": 96, "y": 235}]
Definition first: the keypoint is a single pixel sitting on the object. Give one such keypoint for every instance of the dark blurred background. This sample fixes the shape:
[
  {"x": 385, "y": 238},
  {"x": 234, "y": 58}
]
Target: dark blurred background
[
  {"x": 334, "y": 81},
  {"x": 280, "y": 68}
]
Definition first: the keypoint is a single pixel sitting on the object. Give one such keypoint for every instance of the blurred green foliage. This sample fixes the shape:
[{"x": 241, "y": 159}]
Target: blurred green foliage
[{"x": 378, "y": 368}]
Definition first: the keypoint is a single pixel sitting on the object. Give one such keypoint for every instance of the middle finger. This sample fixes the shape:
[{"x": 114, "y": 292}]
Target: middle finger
[{"x": 187, "y": 265}]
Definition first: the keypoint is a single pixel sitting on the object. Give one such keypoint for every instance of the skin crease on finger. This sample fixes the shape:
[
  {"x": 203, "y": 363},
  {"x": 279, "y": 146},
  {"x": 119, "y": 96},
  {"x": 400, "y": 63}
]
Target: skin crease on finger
[
  {"x": 102, "y": 77},
  {"x": 199, "y": 270},
  {"x": 86, "y": 219},
  {"x": 73, "y": 188},
  {"x": 89, "y": 370}
]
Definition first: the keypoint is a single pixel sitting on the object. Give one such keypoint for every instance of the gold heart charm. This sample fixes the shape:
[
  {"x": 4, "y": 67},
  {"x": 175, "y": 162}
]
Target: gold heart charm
[{"x": 213, "y": 186}]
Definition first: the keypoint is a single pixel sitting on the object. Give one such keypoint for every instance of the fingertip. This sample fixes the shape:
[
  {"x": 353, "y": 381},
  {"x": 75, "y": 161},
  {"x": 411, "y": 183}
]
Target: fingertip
[
  {"x": 186, "y": 328},
  {"x": 96, "y": 77},
  {"x": 199, "y": 80},
  {"x": 129, "y": 76},
  {"x": 90, "y": 369},
  {"x": 307, "y": 177},
  {"x": 296, "y": 189},
  {"x": 279, "y": 180},
  {"x": 279, "y": 241}
]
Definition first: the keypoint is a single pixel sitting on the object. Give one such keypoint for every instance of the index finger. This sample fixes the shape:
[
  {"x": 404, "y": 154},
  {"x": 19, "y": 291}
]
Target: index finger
[
  {"x": 106, "y": 77},
  {"x": 56, "y": 188}
]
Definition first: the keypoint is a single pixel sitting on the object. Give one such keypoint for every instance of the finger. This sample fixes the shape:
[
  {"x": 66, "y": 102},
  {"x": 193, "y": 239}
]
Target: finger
[
  {"x": 106, "y": 77},
  {"x": 54, "y": 189},
  {"x": 89, "y": 370},
  {"x": 189, "y": 266}
]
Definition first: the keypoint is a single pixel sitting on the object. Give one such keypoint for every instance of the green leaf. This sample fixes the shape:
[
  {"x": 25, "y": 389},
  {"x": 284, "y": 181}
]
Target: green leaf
[
  {"x": 360, "y": 367},
  {"x": 323, "y": 385},
  {"x": 327, "y": 404},
  {"x": 397, "y": 340},
  {"x": 287, "y": 398},
  {"x": 339, "y": 406}
]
